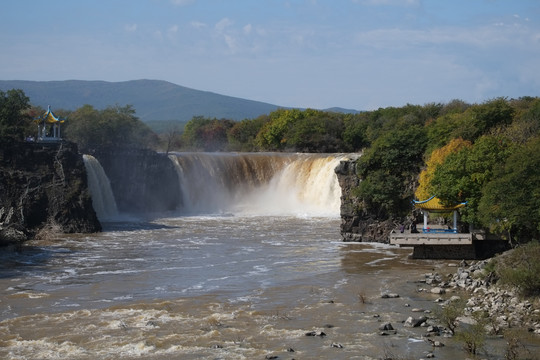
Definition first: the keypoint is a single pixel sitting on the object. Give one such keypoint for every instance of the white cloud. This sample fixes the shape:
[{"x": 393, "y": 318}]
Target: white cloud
[
  {"x": 231, "y": 43},
  {"x": 247, "y": 29},
  {"x": 223, "y": 24},
  {"x": 173, "y": 29},
  {"x": 198, "y": 24},
  {"x": 130, "y": 27},
  {"x": 482, "y": 37}
]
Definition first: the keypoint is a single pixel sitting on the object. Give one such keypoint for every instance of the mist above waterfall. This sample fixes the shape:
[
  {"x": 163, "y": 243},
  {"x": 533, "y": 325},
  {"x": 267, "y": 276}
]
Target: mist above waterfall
[{"x": 259, "y": 183}]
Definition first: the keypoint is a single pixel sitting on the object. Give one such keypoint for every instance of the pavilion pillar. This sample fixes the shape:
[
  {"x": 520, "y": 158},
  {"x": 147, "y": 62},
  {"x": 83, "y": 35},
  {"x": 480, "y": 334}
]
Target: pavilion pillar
[
  {"x": 425, "y": 219},
  {"x": 455, "y": 220}
]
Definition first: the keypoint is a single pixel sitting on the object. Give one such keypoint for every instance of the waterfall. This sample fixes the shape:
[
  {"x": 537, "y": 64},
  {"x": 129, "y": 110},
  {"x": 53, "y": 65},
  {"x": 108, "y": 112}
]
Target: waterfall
[
  {"x": 100, "y": 189},
  {"x": 259, "y": 183}
]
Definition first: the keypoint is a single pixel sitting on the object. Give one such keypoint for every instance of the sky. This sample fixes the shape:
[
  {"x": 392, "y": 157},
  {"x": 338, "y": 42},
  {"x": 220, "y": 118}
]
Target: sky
[{"x": 354, "y": 54}]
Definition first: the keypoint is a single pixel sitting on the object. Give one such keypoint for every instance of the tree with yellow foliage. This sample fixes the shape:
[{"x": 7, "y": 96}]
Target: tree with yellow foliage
[{"x": 436, "y": 158}]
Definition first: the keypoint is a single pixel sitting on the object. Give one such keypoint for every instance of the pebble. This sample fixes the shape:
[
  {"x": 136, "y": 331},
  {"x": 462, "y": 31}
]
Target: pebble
[
  {"x": 316, "y": 333},
  {"x": 485, "y": 296}
]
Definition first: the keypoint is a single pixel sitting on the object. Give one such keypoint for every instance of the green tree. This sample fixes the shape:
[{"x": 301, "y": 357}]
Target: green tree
[
  {"x": 526, "y": 124},
  {"x": 485, "y": 116},
  {"x": 443, "y": 129},
  {"x": 386, "y": 170},
  {"x": 316, "y": 132},
  {"x": 207, "y": 134},
  {"x": 113, "y": 126},
  {"x": 510, "y": 203},
  {"x": 14, "y": 119},
  {"x": 354, "y": 133},
  {"x": 272, "y": 135},
  {"x": 242, "y": 135},
  {"x": 463, "y": 174}
]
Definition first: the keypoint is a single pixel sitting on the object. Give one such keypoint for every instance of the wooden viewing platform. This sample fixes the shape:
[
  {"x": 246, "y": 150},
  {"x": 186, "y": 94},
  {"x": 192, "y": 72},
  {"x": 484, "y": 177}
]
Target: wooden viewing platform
[
  {"x": 438, "y": 244},
  {"x": 444, "y": 242},
  {"x": 430, "y": 238}
]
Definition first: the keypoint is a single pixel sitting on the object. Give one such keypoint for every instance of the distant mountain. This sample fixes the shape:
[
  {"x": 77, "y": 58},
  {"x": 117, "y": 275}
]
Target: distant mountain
[
  {"x": 342, "y": 110},
  {"x": 152, "y": 99}
]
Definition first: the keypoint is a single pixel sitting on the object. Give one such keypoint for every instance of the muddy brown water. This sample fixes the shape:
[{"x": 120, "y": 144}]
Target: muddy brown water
[{"x": 215, "y": 287}]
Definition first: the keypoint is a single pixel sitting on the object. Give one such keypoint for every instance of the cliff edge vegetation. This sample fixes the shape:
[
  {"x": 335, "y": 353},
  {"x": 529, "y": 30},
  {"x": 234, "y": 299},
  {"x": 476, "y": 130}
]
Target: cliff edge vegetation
[
  {"x": 43, "y": 187},
  {"x": 486, "y": 154}
]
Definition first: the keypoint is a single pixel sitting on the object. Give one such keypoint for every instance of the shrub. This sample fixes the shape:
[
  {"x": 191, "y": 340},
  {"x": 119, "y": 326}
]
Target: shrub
[
  {"x": 521, "y": 269},
  {"x": 473, "y": 336},
  {"x": 449, "y": 313}
]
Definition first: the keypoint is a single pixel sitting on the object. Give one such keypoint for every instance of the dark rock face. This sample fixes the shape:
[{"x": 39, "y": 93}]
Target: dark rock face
[
  {"x": 356, "y": 224},
  {"x": 43, "y": 185},
  {"x": 143, "y": 181}
]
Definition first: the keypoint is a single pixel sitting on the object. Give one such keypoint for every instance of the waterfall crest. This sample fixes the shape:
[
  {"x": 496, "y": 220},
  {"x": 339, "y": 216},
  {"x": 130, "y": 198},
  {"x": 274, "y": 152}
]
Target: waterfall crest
[
  {"x": 100, "y": 189},
  {"x": 259, "y": 183}
]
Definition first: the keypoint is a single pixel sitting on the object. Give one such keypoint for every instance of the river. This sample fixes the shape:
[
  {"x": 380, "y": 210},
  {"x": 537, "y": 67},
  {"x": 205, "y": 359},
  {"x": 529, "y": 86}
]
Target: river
[{"x": 245, "y": 283}]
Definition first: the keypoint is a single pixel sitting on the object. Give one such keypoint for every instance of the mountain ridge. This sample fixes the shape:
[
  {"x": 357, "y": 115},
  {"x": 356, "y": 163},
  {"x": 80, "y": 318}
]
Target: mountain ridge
[{"x": 151, "y": 99}]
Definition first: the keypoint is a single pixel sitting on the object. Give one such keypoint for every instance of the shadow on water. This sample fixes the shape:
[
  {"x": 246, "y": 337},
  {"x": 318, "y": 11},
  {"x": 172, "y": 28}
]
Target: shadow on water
[
  {"x": 35, "y": 258},
  {"x": 29, "y": 259},
  {"x": 134, "y": 225}
]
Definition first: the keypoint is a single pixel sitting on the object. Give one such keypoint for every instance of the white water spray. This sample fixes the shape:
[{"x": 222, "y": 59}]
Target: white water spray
[
  {"x": 100, "y": 189},
  {"x": 259, "y": 184},
  {"x": 306, "y": 186}
]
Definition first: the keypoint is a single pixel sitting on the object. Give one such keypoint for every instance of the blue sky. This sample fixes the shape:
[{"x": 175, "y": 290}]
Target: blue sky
[{"x": 358, "y": 54}]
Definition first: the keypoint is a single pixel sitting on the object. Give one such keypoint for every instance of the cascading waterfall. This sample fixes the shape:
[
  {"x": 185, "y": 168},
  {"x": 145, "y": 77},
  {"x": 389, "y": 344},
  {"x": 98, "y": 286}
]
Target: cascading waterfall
[
  {"x": 100, "y": 189},
  {"x": 259, "y": 183}
]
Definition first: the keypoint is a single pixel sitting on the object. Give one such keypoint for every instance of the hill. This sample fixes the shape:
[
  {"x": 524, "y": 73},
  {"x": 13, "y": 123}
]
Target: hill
[{"x": 152, "y": 99}]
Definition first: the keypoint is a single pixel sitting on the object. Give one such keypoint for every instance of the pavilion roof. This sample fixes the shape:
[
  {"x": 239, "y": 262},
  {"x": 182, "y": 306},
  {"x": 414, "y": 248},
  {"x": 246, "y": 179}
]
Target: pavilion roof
[
  {"x": 434, "y": 204},
  {"x": 49, "y": 118}
]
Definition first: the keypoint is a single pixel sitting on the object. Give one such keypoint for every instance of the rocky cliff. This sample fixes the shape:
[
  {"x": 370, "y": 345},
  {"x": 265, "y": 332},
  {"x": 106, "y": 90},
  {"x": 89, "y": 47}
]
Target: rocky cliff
[
  {"x": 43, "y": 186},
  {"x": 357, "y": 224},
  {"x": 143, "y": 182}
]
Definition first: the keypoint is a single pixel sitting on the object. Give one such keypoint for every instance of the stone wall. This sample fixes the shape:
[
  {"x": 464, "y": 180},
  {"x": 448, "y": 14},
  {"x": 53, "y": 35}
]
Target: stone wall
[{"x": 43, "y": 185}]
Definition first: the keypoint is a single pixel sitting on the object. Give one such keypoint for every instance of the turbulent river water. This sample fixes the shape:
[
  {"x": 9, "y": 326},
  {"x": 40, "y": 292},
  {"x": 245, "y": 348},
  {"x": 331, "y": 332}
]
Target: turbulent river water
[{"x": 245, "y": 283}]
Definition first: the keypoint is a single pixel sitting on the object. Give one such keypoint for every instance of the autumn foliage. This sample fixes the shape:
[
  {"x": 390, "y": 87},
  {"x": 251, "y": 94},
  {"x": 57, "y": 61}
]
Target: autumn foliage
[{"x": 436, "y": 158}]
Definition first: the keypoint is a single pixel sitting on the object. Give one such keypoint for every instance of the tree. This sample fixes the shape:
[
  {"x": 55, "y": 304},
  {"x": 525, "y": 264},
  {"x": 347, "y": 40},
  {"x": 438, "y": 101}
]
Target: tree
[
  {"x": 318, "y": 132},
  {"x": 354, "y": 134},
  {"x": 436, "y": 158},
  {"x": 171, "y": 138},
  {"x": 13, "y": 117},
  {"x": 207, "y": 134},
  {"x": 445, "y": 128},
  {"x": 463, "y": 174},
  {"x": 113, "y": 126},
  {"x": 492, "y": 113},
  {"x": 510, "y": 203},
  {"x": 272, "y": 135},
  {"x": 242, "y": 135},
  {"x": 386, "y": 170}
]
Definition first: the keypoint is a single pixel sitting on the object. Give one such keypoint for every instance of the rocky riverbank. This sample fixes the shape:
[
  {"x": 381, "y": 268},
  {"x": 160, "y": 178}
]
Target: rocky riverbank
[
  {"x": 472, "y": 297},
  {"x": 472, "y": 308},
  {"x": 503, "y": 306},
  {"x": 43, "y": 186}
]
